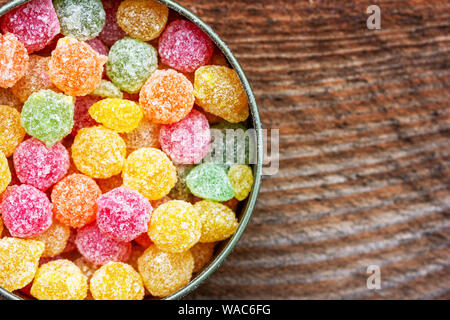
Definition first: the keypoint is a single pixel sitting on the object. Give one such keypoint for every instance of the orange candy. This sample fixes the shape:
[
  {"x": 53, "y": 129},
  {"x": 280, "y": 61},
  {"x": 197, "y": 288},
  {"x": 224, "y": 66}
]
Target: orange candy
[{"x": 13, "y": 60}]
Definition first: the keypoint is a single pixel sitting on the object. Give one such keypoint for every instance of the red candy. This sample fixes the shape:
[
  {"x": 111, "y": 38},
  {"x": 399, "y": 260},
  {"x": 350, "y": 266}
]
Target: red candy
[
  {"x": 82, "y": 118},
  {"x": 39, "y": 166},
  {"x": 98, "y": 46},
  {"x": 98, "y": 248},
  {"x": 111, "y": 31},
  {"x": 123, "y": 214},
  {"x": 26, "y": 211},
  {"x": 34, "y": 23},
  {"x": 187, "y": 141},
  {"x": 184, "y": 46}
]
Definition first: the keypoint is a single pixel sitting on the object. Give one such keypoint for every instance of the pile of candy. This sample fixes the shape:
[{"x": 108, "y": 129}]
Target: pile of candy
[{"x": 106, "y": 113}]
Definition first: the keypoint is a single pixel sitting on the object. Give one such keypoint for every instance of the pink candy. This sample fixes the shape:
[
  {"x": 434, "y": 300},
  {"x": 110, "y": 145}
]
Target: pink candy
[
  {"x": 111, "y": 31},
  {"x": 184, "y": 46},
  {"x": 39, "y": 166},
  {"x": 82, "y": 118},
  {"x": 26, "y": 211},
  {"x": 187, "y": 141},
  {"x": 123, "y": 214},
  {"x": 98, "y": 248},
  {"x": 98, "y": 46},
  {"x": 34, "y": 23}
]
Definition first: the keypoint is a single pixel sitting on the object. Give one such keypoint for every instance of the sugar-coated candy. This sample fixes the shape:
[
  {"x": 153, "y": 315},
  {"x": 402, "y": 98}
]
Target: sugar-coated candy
[
  {"x": 241, "y": 178},
  {"x": 111, "y": 31},
  {"x": 70, "y": 245},
  {"x": 156, "y": 203},
  {"x": 123, "y": 214},
  {"x": 99, "y": 248},
  {"x": 98, "y": 152},
  {"x": 59, "y": 280},
  {"x": 219, "y": 91},
  {"x": 175, "y": 226},
  {"x": 55, "y": 239},
  {"x": 107, "y": 89},
  {"x": 76, "y": 68},
  {"x": 218, "y": 221},
  {"x": 117, "y": 114},
  {"x": 130, "y": 63},
  {"x": 180, "y": 191},
  {"x": 19, "y": 260},
  {"x": 86, "y": 267},
  {"x": 48, "y": 116},
  {"x": 146, "y": 135},
  {"x": 187, "y": 141},
  {"x": 212, "y": 119},
  {"x": 202, "y": 253},
  {"x": 36, "y": 78},
  {"x": 164, "y": 273},
  {"x": 81, "y": 117},
  {"x": 108, "y": 184},
  {"x": 34, "y": 23},
  {"x": 209, "y": 181},
  {"x": 81, "y": 19},
  {"x": 98, "y": 46},
  {"x": 117, "y": 281},
  {"x": 11, "y": 130},
  {"x": 75, "y": 200},
  {"x": 167, "y": 97},
  {"x": 142, "y": 19},
  {"x": 40, "y": 166},
  {"x": 13, "y": 60},
  {"x": 184, "y": 46},
  {"x": 150, "y": 172},
  {"x": 26, "y": 212},
  {"x": 7, "y": 98}
]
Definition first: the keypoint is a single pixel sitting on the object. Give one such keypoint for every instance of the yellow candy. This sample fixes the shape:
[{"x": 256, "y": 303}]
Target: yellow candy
[
  {"x": 59, "y": 280},
  {"x": 117, "y": 114},
  {"x": 19, "y": 260},
  {"x": 55, "y": 239},
  {"x": 98, "y": 152},
  {"x": 11, "y": 131},
  {"x": 117, "y": 281},
  {"x": 164, "y": 273},
  {"x": 219, "y": 91},
  {"x": 218, "y": 221},
  {"x": 86, "y": 267},
  {"x": 241, "y": 178},
  {"x": 150, "y": 172},
  {"x": 202, "y": 253},
  {"x": 175, "y": 226},
  {"x": 5, "y": 173}
]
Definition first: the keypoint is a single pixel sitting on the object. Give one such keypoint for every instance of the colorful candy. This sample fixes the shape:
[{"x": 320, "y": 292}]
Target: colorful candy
[
  {"x": 86, "y": 267},
  {"x": 146, "y": 135},
  {"x": 81, "y": 117},
  {"x": 219, "y": 91},
  {"x": 241, "y": 178},
  {"x": 142, "y": 19},
  {"x": 175, "y": 226},
  {"x": 98, "y": 46},
  {"x": 11, "y": 131},
  {"x": 7, "y": 98},
  {"x": 202, "y": 253},
  {"x": 13, "y": 60},
  {"x": 117, "y": 281},
  {"x": 75, "y": 200},
  {"x": 107, "y": 89},
  {"x": 55, "y": 239},
  {"x": 109, "y": 184},
  {"x": 130, "y": 63},
  {"x": 111, "y": 31},
  {"x": 117, "y": 114},
  {"x": 81, "y": 19},
  {"x": 184, "y": 46},
  {"x": 123, "y": 214},
  {"x": 180, "y": 191}
]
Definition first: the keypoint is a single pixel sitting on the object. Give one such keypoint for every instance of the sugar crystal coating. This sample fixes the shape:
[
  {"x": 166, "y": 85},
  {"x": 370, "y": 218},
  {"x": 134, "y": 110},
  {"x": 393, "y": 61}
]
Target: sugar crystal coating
[
  {"x": 117, "y": 281},
  {"x": 55, "y": 239},
  {"x": 99, "y": 248},
  {"x": 202, "y": 253},
  {"x": 34, "y": 23},
  {"x": 82, "y": 118},
  {"x": 111, "y": 31},
  {"x": 209, "y": 181},
  {"x": 107, "y": 89},
  {"x": 142, "y": 19},
  {"x": 241, "y": 178},
  {"x": 7, "y": 98},
  {"x": 40, "y": 166},
  {"x": 187, "y": 141},
  {"x": 98, "y": 152},
  {"x": 219, "y": 91},
  {"x": 117, "y": 114},
  {"x": 184, "y": 46},
  {"x": 123, "y": 214},
  {"x": 76, "y": 68},
  {"x": 150, "y": 172},
  {"x": 13, "y": 60},
  {"x": 218, "y": 221},
  {"x": 75, "y": 200},
  {"x": 11, "y": 130},
  {"x": 180, "y": 191},
  {"x": 81, "y": 19},
  {"x": 26, "y": 212},
  {"x": 130, "y": 63},
  {"x": 146, "y": 135},
  {"x": 48, "y": 116},
  {"x": 59, "y": 280},
  {"x": 19, "y": 260}
]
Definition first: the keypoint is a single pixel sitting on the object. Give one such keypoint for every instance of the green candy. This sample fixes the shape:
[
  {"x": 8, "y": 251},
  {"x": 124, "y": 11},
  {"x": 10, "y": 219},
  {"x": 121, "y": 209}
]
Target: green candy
[
  {"x": 81, "y": 19},
  {"x": 48, "y": 116},
  {"x": 210, "y": 181},
  {"x": 130, "y": 64},
  {"x": 107, "y": 89}
]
